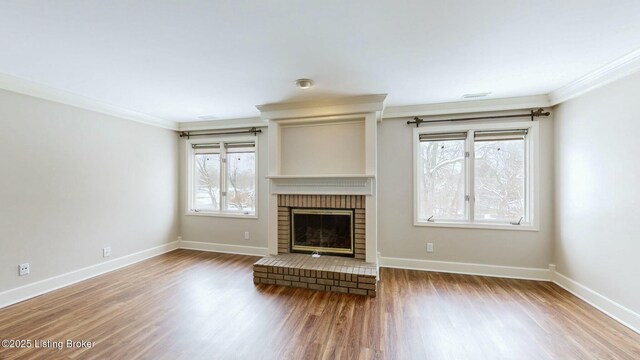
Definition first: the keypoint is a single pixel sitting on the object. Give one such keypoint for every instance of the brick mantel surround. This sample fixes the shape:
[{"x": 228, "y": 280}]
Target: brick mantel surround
[{"x": 356, "y": 202}]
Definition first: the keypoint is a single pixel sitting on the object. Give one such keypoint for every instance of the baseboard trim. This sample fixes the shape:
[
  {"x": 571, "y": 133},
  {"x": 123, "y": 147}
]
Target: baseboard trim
[
  {"x": 224, "y": 248},
  {"x": 466, "y": 268},
  {"x": 12, "y": 296},
  {"x": 621, "y": 314}
]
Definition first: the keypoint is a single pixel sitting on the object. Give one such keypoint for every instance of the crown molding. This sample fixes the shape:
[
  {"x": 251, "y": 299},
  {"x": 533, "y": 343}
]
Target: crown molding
[
  {"x": 469, "y": 106},
  {"x": 26, "y": 87},
  {"x": 613, "y": 71},
  {"x": 317, "y": 108},
  {"x": 221, "y": 124}
]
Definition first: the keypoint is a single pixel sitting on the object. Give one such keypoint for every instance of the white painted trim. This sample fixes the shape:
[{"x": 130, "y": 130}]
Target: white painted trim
[
  {"x": 221, "y": 124},
  {"x": 26, "y": 87},
  {"x": 613, "y": 71},
  {"x": 322, "y": 185},
  {"x": 221, "y": 214},
  {"x": 321, "y": 108},
  {"x": 224, "y": 248},
  {"x": 621, "y": 314},
  {"x": 479, "y": 226},
  {"x": 510, "y": 272},
  {"x": 28, "y": 291},
  {"x": 469, "y": 106}
]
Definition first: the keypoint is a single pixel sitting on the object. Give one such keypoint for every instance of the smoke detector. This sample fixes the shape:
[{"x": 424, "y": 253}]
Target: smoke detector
[{"x": 304, "y": 83}]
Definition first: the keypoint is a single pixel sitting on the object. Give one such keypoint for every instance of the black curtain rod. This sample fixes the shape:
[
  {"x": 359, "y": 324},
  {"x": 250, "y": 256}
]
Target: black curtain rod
[
  {"x": 254, "y": 130},
  {"x": 533, "y": 114}
]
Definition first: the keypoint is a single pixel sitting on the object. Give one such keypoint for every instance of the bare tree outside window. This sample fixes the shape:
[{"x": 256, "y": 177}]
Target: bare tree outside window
[
  {"x": 241, "y": 181},
  {"x": 442, "y": 180},
  {"x": 500, "y": 180},
  {"x": 207, "y": 177}
]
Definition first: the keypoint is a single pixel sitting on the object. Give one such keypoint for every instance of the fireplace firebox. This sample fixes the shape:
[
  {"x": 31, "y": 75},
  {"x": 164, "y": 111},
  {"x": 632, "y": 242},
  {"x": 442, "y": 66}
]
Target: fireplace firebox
[{"x": 326, "y": 231}]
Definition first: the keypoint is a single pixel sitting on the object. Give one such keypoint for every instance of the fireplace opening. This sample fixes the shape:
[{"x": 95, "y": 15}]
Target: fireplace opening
[{"x": 327, "y": 231}]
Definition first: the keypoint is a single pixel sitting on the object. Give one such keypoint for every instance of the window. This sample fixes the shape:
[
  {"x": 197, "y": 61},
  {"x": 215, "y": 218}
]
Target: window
[
  {"x": 222, "y": 178},
  {"x": 475, "y": 176}
]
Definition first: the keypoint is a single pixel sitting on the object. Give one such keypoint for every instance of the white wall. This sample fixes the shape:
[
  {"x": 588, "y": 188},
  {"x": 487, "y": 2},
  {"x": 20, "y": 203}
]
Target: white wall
[
  {"x": 399, "y": 238},
  {"x": 227, "y": 230},
  {"x": 597, "y": 191},
  {"x": 73, "y": 181}
]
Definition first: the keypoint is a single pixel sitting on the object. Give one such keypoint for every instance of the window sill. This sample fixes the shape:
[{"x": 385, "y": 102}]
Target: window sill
[
  {"x": 223, "y": 215},
  {"x": 507, "y": 227}
]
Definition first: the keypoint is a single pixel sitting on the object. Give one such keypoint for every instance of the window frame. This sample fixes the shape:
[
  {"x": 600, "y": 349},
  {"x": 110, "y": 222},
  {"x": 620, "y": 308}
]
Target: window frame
[
  {"x": 532, "y": 207},
  {"x": 190, "y": 179}
]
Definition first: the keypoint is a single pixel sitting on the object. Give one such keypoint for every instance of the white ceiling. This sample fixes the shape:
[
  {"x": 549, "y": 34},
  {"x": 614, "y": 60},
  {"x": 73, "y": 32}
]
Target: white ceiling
[{"x": 179, "y": 60}]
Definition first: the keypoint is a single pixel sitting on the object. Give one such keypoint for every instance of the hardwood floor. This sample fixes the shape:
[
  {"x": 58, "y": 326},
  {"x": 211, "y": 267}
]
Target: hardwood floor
[{"x": 196, "y": 305}]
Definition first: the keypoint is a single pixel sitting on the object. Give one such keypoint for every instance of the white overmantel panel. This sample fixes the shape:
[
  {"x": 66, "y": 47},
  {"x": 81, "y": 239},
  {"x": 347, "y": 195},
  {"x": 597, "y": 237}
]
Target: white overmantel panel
[
  {"x": 355, "y": 173},
  {"x": 323, "y": 149}
]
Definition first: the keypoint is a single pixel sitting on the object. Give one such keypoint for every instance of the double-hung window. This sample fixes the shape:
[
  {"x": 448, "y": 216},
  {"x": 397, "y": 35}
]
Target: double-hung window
[
  {"x": 476, "y": 175},
  {"x": 222, "y": 178}
]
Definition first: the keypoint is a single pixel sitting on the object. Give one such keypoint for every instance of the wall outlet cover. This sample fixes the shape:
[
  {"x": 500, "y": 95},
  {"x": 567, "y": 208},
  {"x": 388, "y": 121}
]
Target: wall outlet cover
[
  {"x": 106, "y": 252},
  {"x": 24, "y": 269}
]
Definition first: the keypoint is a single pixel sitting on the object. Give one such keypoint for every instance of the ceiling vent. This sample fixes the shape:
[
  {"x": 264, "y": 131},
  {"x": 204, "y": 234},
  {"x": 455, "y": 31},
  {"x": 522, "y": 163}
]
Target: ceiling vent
[{"x": 476, "y": 95}]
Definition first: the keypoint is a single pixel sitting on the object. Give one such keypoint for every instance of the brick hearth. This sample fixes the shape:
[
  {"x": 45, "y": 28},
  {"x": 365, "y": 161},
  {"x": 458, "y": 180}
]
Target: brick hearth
[{"x": 329, "y": 273}]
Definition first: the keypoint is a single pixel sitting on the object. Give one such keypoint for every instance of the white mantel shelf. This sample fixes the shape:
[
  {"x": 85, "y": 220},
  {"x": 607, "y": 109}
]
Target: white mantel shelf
[{"x": 322, "y": 184}]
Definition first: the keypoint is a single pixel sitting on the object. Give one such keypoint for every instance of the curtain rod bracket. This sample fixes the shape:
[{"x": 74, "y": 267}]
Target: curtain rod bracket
[
  {"x": 417, "y": 121},
  {"x": 539, "y": 112}
]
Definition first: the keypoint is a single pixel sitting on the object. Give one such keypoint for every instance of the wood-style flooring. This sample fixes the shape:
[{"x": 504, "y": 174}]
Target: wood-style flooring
[{"x": 197, "y": 305}]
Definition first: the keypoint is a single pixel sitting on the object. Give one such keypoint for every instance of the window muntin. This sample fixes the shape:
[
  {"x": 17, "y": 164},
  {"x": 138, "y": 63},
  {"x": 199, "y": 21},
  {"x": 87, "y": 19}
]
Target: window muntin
[
  {"x": 223, "y": 178},
  {"x": 498, "y": 186}
]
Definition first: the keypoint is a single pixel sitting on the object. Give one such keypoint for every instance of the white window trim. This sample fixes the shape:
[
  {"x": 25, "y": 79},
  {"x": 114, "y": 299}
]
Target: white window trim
[
  {"x": 531, "y": 169},
  {"x": 189, "y": 151}
]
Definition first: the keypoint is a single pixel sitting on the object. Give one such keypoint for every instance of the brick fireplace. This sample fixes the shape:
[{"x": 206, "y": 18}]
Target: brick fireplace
[
  {"x": 322, "y": 155},
  {"x": 354, "y": 202}
]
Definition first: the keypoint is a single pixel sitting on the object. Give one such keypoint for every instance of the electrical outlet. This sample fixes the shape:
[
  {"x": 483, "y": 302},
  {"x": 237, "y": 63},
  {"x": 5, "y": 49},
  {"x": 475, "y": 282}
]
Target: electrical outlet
[
  {"x": 24, "y": 269},
  {"x": 430, "y": 247},
  {"x": 246, "y": 235},
  {"x": 106, "y": 252}
]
